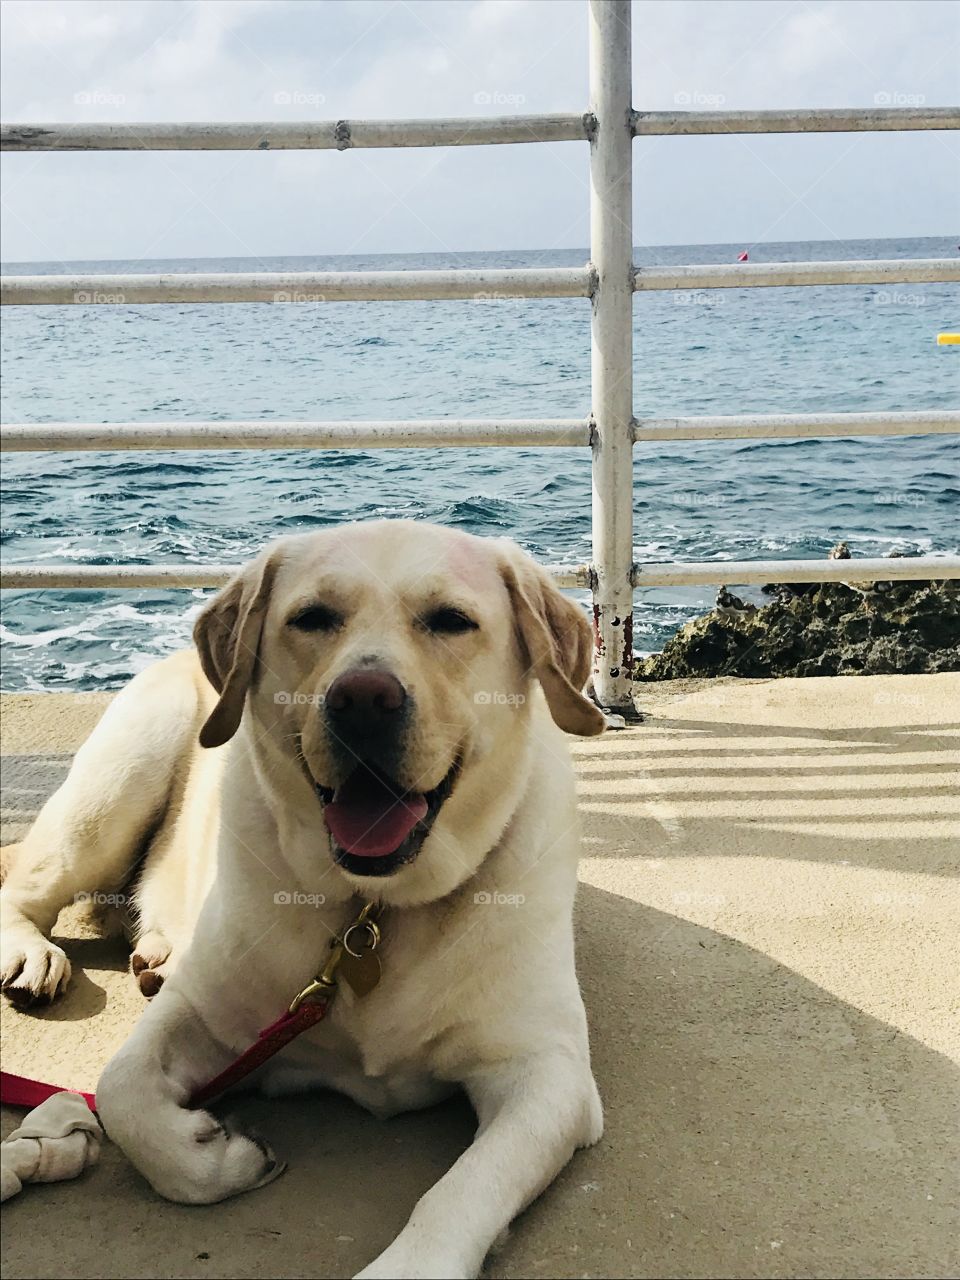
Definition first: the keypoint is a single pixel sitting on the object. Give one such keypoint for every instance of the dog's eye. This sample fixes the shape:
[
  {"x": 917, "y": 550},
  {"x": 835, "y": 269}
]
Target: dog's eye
[
  {"x": 448, "y": 621},
  {"x": 316, "y": 617}
]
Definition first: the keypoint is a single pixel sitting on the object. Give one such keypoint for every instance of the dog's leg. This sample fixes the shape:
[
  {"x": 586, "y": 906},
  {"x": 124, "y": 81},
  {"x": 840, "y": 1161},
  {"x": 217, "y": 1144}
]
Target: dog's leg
[
  {"x": 177, "y": 873},
  {"x": 533, "y": 1115},
  {"x": 186, "y": 1154},
  {"x": 87, "y": 835}
]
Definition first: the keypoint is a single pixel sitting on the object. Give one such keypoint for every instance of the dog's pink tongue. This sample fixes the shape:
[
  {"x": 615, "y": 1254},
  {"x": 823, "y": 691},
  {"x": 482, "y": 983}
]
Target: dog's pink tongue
[{"x": 365, "y": 816}]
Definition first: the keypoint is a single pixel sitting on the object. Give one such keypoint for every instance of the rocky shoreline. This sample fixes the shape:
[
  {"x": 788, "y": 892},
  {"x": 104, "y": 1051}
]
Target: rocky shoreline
[{"x": 826, "y": 629}]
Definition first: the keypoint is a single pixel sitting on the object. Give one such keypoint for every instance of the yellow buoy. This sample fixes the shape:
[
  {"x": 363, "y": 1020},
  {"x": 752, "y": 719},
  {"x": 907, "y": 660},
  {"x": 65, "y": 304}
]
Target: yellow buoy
[{"x": 948, "y": 339}]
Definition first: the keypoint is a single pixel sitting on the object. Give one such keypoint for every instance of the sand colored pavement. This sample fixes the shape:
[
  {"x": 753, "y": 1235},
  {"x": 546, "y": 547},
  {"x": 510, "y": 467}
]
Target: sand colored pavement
[{"x": 767, "y": 930}]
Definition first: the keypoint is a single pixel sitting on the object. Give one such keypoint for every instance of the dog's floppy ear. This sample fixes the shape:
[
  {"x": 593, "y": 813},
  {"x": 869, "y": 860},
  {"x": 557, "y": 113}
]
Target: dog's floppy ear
[
  {"x": 227, "y": 636},
  {"x": 557, "y": 642}
]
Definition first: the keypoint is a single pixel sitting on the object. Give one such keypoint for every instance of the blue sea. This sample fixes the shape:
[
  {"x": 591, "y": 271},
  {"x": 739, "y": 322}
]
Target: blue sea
[{"x": 725, "y": 351}]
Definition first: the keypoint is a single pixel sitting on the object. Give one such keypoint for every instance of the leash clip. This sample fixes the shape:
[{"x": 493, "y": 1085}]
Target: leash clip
[{"x": 360, "y": 938}]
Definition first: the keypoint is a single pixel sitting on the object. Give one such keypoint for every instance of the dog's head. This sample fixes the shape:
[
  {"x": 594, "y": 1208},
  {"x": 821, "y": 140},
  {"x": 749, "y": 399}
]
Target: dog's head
[{"x": 392, "y": 666}]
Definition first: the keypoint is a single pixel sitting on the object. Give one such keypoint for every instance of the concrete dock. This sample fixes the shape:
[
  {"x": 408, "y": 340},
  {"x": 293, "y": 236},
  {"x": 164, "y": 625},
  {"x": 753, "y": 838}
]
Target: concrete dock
[{"x": 768, "y": 927}]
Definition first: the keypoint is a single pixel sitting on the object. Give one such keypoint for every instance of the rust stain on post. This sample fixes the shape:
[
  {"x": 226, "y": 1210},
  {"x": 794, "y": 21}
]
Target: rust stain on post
[
  {"x": 598, "y": 646},
  {"x": 628, "y": 643},
  {"x": 615, "y": 622}
]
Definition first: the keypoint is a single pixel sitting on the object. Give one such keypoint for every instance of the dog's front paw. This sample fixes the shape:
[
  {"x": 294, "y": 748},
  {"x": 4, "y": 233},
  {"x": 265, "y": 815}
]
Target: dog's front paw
[
  {"x": 402, "y": 1261},
  {"x": 219, "y": 1161},
  {"x": 186, "y": 1155},
  {"x": 152, "y": 962},
  {"x": 32, "y": 969}
]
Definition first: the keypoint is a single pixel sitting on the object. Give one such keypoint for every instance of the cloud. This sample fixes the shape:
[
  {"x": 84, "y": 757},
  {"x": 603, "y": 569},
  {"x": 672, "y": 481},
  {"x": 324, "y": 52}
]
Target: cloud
[
  {"x": 810, "y": 41},
  {"x": 298, "y": 59}
]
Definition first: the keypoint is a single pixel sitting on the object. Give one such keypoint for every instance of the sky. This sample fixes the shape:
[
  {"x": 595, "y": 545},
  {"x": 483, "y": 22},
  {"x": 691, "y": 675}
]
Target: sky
[{"x": 162, "y": 60}]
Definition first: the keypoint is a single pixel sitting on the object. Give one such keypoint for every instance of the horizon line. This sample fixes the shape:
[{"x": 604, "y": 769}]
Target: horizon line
[{"x": 397, "y": 253}]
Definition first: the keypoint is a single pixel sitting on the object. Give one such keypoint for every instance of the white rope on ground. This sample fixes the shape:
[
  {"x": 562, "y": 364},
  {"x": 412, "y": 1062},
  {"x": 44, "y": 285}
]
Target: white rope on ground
[{"x": 57, "y": 1140}]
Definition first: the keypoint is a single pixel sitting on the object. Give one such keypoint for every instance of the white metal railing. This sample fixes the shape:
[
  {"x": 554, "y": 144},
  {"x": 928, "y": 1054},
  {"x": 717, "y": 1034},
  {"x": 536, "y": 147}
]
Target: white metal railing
[
  {"x": 425, "y": 433},
  {"x": 469, "y": 131},
  {"x": 456, "y": 433},
  {"x": 815, "y": 120},
  {"x": 609, "y": 280},
  {"x": 300, "y": 286},
  {"x": 447, "y": 433},
  {"x": 777, "y": 275},
  {"x": 456, "y": 284},
  {"x": 319, "y": 135},
  {"x": 32, "y": 576},
  {"x": 667, "y": 574}
]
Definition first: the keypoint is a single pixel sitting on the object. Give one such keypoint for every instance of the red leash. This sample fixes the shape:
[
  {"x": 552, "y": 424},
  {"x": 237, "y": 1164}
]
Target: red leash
[
  {"x": 270, "y": 1041},
  {"x": 306, "y": 1010},
  {"x": 21, "y": 1091}
]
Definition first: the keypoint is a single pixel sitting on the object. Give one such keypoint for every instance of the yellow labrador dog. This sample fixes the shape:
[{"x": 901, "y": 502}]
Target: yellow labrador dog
[{"x": 377, "y": 714}]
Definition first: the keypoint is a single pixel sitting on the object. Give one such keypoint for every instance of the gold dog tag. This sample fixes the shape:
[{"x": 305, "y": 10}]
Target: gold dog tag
[
  {"x": 360, "y": 964},
  {"x": 361, "y": 972}
]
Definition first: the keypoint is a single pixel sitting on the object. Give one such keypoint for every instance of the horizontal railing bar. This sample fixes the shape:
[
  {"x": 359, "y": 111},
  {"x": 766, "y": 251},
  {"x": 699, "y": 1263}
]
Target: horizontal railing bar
[
  {"x": 792, "y": 425},
  {"x": 423, "y": 434},
  {"x": 298, "y": 135},
  {"x": 746, "y": 275},
  {"x": 491, "y": 287},
  {"x": 175, "y": 576},
  {"x": 809, "y": 120},
  {"x": 23, "y": 437},
  {"x": 706, "y": 572},
  {"x": 693, "y": 573},
  {"x": 465, "y": 131},
  {"x": 482, "y": 286},
  {"x": 30, "y": 576}
]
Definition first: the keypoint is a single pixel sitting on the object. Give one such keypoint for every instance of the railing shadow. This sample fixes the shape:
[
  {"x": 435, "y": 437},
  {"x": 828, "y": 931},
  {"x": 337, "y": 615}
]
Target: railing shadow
[{"x": 722, "y": 787}]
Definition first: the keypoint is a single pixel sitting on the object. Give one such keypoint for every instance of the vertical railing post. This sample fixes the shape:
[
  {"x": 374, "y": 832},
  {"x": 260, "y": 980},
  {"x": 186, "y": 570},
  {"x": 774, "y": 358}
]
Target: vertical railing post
[{"x": 611, "y": 251}]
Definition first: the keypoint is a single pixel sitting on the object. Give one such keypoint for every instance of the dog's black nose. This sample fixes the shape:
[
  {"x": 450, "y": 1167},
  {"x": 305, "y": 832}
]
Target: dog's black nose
[{"x": 364, "y": 700}]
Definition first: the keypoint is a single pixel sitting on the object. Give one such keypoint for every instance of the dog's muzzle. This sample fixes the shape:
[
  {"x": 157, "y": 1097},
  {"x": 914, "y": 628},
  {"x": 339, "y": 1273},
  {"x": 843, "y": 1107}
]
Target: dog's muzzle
[{"x": 376, "y": 824}]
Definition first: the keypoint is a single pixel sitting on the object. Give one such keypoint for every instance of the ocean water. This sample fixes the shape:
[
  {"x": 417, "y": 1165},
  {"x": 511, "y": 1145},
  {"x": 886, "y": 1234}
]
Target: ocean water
[{"x": 725, "y": 351}]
